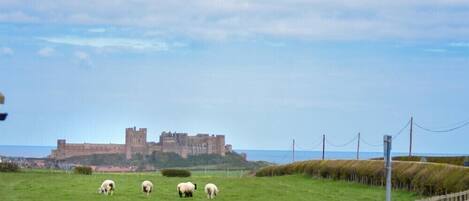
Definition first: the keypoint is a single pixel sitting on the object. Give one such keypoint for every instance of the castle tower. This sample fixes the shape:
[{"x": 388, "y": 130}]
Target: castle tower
[
  {"x": 60, "y": 152},
  {"x": 220, "y": 144},
  {"x": 135, "y": 141}
]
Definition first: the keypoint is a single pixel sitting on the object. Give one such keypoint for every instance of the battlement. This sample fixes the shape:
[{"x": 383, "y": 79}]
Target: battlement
[
  {"x": 169, "y": 134},
  {"x": 134, "y": 130}
]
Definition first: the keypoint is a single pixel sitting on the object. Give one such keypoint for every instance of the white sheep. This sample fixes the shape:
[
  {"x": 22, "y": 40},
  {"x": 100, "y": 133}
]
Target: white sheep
[
  {"x": 187, "y": 188},
  {"x": 107, "y": 187},
  {"x": 147, "y": 187},
  {"x": 211, "y": 190}
]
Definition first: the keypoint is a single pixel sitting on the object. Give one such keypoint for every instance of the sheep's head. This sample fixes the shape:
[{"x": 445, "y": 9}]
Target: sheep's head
[
  {"x": 100, "y": 190},
  {"x": 195, "y": 186}
]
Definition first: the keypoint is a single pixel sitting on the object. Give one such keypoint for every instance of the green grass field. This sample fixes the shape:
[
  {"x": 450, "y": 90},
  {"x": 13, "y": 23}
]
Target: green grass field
[{"x": 60, "y": 186}]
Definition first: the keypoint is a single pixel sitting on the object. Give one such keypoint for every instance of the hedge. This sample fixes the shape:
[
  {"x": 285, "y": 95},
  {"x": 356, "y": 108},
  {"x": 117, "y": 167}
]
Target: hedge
[
  {"x": 423, "y": 178},
  {"x": 454, "y": 160},
  {"x": 175, "y": 173},
  {"x": 9, "y": 167},
  {"x": 83, "y": 170}
]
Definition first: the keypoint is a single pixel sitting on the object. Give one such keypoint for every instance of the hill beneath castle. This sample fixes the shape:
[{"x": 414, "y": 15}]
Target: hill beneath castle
[{"x": 158, "y": 160}]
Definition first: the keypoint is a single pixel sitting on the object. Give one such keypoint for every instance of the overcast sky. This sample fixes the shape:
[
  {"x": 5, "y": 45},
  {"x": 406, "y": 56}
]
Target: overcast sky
[{"x": 260, "y": 72}]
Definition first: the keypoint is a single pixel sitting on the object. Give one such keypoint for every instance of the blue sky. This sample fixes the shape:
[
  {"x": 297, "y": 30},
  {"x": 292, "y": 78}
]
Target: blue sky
[{"x": 261, "y": 72}]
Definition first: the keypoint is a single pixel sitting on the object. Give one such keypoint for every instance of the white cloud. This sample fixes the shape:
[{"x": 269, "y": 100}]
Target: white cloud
[
  {"x": 6, "y": 51},
  {"x": 275, "y": 44},
  {"x": 17, "y": 16},
  {"x": 46, "y": 52},
  {"x": 82, "y": 55},
  {"x": 83, "y": 58},
  {"x": 123, "y": 43},
  {"x": 436, "y": 50},
  {"x": 178, "y": 44},
  {"x": 459, "y": 44},
  {"x": 97, "y": 30},
  {"x": 225, "y": 19}
]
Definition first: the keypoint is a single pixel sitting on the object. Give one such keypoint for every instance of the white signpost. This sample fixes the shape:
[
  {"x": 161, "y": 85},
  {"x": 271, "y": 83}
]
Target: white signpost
[{"x": 387, "y": 164}]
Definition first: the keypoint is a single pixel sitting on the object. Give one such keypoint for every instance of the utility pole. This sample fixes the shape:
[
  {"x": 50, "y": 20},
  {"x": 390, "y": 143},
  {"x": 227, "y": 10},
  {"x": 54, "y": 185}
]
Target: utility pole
[
  {"x": 387, "y": 164},
  {"x": 293, "y": 153},
  {"x": 323, "y": 145},
  {"x": 410, "y": 141},
  {"x": 358, "y": 147}
]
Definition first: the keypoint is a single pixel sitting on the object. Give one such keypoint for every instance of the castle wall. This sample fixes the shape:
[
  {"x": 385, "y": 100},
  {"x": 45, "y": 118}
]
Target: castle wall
[
  {"x": 153, "y": 147},
  {"x": 136, "y": 142},
  {"x": 186, "y": 145},
  {"x": 69, "y": 150}
]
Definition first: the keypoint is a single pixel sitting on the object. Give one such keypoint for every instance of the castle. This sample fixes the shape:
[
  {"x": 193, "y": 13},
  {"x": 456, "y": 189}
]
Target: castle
[{"x": 136, "y": 142}]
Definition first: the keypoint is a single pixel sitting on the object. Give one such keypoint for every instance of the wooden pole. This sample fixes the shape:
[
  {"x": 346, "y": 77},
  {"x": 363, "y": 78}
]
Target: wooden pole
[
  {"x": 410, "y": 134},
  {"x": 293, "y": 153},
  {"x": 323, "y": 145},
  {"x": 358, "y": 147}
]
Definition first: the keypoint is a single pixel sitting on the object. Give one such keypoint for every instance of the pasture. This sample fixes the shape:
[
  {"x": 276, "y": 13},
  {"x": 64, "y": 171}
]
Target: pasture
[{"x": 60, "y": 186}]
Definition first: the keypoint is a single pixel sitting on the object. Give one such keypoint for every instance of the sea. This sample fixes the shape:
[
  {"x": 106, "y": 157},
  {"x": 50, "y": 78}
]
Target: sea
[{"x": 273, "y": 156}]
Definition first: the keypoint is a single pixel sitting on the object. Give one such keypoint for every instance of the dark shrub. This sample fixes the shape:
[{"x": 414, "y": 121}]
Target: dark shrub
[
  {"x": 83, "y": 170},
  {"x": 9, "y": 167},
  {"x": 175, "y": 173}
]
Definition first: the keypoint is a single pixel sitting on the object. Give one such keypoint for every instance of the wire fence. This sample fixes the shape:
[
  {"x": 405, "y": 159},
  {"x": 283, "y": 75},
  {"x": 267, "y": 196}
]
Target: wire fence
[{"x": 322, "y": 144}]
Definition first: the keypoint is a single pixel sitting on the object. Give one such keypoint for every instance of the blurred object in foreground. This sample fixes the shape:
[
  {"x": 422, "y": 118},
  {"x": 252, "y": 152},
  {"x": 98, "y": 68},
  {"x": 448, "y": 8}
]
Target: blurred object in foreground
[{"x": 3, "y": 116}]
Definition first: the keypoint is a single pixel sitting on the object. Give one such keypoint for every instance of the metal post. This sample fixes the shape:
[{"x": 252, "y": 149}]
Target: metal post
[
  {"x": 388, "y": 164},
  {"x": 323, "y": 145},
  {"x": 358, "y": 147}
]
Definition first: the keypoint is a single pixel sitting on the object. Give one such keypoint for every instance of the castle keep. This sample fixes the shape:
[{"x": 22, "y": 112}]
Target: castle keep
[{"x": 136, "y": 142}]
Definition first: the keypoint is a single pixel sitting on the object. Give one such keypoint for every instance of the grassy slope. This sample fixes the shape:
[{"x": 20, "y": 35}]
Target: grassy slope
[{"x": 60, "y": 186}]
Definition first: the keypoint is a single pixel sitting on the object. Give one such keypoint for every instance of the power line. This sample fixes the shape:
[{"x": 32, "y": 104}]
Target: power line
[
  {"x": 400, "y": 131},
  {"x": 370, "y": 144},
  {"x": 443, "y": 130},
  {"x": 311, "y": 148},
  {"x": 455, "y": 123},
  {"x": 317, "y": 145},
  {"x": 342, "y": 145}
]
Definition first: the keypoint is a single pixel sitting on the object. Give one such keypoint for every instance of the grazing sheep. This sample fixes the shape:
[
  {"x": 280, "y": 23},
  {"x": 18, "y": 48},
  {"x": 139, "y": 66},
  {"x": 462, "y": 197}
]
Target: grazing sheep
[
  {"x": 147, "y": 187},
  {"x": 187, "y": 188},
  {"x": 211, "y": 190},
  {"x": 107, "y": 187}
]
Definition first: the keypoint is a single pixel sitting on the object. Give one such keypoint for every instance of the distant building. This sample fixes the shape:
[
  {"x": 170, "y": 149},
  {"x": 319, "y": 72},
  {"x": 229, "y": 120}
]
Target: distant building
[{"x": 136, "y": 142}]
